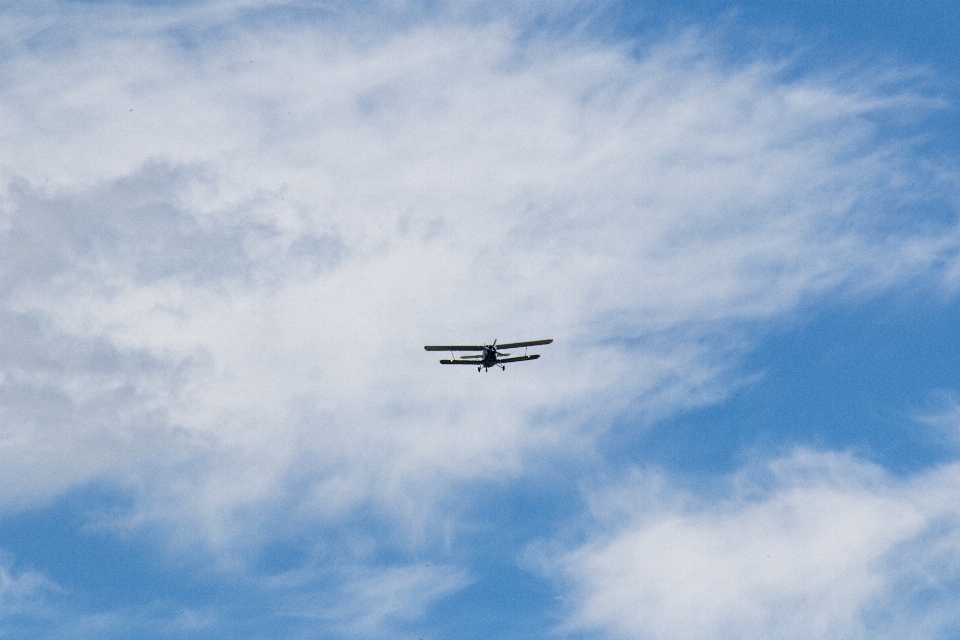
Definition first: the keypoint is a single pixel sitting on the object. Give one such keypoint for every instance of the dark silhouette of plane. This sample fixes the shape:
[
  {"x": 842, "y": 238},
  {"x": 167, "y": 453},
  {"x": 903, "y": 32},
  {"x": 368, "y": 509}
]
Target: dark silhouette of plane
[{"x": 489, "y": 354}]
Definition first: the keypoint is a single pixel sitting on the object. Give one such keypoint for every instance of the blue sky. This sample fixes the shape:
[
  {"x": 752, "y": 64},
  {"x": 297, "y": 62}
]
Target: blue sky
[{"x": 228, "y": 229}]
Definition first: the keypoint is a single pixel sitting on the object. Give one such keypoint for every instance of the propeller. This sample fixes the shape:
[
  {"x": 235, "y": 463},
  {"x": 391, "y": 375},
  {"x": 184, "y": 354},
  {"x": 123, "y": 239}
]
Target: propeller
[{"x": 496, "y": 351}]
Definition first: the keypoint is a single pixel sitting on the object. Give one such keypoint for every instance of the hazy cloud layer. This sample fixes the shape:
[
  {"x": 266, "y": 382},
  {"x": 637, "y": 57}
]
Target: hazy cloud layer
[{"x": 225, "y": 240}]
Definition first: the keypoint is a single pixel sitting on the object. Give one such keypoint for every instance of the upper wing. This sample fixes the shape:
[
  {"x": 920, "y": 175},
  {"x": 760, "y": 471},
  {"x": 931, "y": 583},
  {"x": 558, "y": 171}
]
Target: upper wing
[
  {"x": 532, "y": 356},
  {"x": 514, "y": 345},
  {"x": 453, "y": 348},
  {"x": 460, "y": 362}
]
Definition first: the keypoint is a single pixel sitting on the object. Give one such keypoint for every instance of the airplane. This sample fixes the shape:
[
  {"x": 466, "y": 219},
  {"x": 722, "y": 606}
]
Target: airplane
[{"x": 490, "y": 355}]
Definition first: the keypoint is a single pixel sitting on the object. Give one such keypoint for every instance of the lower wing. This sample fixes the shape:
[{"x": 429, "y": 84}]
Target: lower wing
[
  {"x": 473, "y": 362},
  {"x": 532, "y": 356}
]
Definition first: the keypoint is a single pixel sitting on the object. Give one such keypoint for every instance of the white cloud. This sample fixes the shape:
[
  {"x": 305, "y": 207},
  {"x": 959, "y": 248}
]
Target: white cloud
[
  {"x": 815, "y": 545},
  {"x": 357, "y": 201},
  {"x": 224, "y": 242}
]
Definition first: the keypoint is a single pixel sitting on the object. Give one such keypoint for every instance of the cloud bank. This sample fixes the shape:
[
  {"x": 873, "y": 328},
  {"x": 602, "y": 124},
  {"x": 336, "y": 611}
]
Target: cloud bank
[{"x": 813, "y": 545}]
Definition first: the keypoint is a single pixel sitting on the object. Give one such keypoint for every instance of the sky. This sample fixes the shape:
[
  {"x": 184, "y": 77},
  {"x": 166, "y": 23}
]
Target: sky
[{"x": 227, "y": 230}]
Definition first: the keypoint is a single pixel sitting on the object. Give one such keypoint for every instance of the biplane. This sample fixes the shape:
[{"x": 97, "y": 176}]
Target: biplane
[{"x": 489, "y": 354}]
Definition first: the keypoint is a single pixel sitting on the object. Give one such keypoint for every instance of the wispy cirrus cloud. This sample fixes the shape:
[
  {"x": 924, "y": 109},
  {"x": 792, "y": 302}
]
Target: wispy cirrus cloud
[{"x": 368, "y": 601}]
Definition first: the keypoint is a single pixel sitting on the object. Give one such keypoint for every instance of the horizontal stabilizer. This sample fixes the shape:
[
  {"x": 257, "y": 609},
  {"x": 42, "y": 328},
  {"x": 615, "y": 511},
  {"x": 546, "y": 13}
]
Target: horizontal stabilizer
[
  {"x": 453, "y": 348},
  {"x": 532, "y": 356},
  {"x": 531, "y": 343}
]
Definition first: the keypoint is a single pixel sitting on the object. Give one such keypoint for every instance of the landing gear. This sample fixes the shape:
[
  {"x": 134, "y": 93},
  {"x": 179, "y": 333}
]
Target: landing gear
[
  {"x": 478, "y": 369},
  {"x": 503, "y": 367}
]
